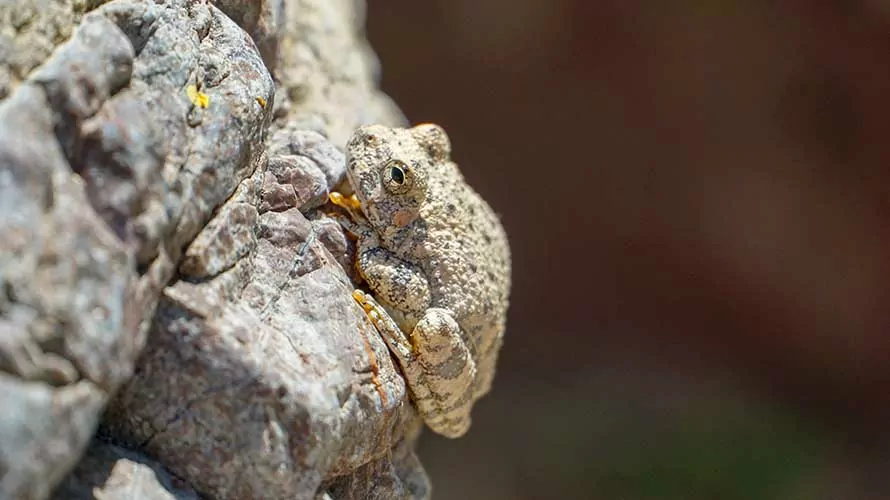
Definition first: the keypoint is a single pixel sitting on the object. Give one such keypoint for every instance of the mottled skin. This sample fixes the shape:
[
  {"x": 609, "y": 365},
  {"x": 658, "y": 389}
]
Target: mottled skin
[{"x": 436, "y": 257}]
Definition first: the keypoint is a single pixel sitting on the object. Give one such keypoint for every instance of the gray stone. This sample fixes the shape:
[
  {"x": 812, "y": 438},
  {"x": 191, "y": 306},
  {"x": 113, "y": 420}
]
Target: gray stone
[
  {"x": 293, "y": 181},
  {"x": 314, "y": 147},
  {"x": 266, "y": 379},
  {"x": 149, "y": 206},
  {"x": 68, "y": 329},
  {"x": 29, "y": 31},
  {"x": 263, "y": 20},
  {"x": 328, "y": 72},
  {"x": 109, "y": 472},
  {"x": 397, "y": 477}
]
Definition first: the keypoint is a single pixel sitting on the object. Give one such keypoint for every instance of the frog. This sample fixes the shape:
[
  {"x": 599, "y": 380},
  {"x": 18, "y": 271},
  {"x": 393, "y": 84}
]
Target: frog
[{"x": 436, "y": 261}]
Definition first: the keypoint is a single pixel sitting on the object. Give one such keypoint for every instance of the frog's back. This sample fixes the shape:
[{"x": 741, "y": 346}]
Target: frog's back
[{"x": 468, "y": 260}]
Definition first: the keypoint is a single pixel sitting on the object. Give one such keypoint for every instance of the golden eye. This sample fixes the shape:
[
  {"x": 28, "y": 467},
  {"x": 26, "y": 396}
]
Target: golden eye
[{"x": 396, "y": 176}]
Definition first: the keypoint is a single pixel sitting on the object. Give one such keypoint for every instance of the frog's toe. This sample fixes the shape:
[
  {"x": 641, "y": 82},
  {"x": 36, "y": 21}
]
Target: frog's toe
[
  {"x": 372, "y": 310},
  {"x": 386, "y": 326},
  {"x": 350, "y": 203},
  {"x": 363, "y": 300}
]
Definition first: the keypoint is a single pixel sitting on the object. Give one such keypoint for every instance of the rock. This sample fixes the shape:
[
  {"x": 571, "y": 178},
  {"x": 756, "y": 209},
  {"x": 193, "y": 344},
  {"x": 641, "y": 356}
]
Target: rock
[
  {"x": 109, "y": 472},
  {"x": 327, "y": 72},
  {"x": 263, "y": 20},
  {"x": 266, "y": 379},
  {"x": 324, "y": 155},
  {"x": 399, "y": 477},
  {"x": 29, "y": 31},
  {"x": 151, "y": 206},
  {"x": 293, "y": 181},
  {"x": 68, "y": 315},
  {"x": 303, "y": 169}
]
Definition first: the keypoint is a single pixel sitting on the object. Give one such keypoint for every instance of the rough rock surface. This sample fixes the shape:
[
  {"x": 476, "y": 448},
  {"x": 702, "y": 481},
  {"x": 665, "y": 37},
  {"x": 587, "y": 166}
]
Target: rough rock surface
[
  {"x": 71, "y": 309},
  {"x": 164, "y": 166},
  {"x": 326, "y": 71},
  {"x": 30, "y": 30},
  {"x": 109, "y": 472}
]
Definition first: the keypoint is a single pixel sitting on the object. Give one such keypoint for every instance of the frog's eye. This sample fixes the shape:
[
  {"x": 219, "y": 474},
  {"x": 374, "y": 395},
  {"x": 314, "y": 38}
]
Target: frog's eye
[
  {"x": 397, "y": 177},
  {"x": 397, "y": 174}
]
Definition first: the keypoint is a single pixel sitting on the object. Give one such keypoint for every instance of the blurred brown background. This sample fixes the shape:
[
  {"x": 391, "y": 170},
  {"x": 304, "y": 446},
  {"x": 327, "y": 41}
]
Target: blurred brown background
[{"x": 696, "y": 195}]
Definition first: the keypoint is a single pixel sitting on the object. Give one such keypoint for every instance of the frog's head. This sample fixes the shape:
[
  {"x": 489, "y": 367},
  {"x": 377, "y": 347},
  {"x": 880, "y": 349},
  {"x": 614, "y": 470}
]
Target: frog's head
[{"x": 389, "y": 167}]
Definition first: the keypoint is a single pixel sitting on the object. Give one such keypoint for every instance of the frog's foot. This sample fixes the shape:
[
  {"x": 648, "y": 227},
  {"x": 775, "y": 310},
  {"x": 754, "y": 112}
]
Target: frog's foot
[
  {"x": 354, "y": 221},
  {"x": 444, "y": 377},
  {"x": 389, "y": 330},
  {"x": 351, "y": 203}
]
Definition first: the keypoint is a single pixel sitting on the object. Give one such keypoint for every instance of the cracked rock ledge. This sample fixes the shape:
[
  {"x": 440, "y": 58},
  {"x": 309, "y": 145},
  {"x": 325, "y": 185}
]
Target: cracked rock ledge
[{"x": 175, "y": 311}]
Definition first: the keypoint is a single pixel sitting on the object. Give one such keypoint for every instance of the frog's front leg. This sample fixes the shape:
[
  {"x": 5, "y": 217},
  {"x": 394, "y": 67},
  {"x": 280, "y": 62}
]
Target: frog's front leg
[
  {"x": 399, "y": 284},
  {"x": 353, "y": 223},
  {"x": 438, "y": 368}
]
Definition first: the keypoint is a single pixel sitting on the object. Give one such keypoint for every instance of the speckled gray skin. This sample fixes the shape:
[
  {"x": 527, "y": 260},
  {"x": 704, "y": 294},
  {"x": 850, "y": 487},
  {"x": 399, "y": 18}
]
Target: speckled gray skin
[{"x": 437, "y": 258}]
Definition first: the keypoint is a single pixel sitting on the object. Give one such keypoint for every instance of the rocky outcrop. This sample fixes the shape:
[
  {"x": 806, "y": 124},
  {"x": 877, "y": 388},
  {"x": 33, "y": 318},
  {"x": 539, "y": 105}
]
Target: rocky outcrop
[{"x": 169, "y": 274}]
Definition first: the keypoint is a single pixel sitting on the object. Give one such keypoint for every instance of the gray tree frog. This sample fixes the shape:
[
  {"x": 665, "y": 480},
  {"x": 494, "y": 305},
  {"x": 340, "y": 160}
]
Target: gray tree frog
[{"x": 436, "y": 257}]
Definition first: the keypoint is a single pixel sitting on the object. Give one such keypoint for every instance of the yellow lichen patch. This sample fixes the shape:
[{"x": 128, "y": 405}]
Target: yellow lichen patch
[
  {"x": 261, "y": 101},
  {"x": 197, "y": 97}
]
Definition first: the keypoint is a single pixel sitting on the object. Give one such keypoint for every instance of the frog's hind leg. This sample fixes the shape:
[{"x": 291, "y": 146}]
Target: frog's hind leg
[
  {"x": 437, "y": 366},
  {"x": 447, "y": 371},
  {"x": 387, "y": 327}
]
